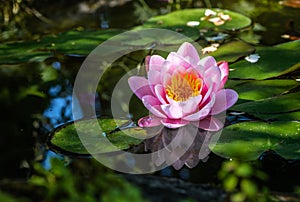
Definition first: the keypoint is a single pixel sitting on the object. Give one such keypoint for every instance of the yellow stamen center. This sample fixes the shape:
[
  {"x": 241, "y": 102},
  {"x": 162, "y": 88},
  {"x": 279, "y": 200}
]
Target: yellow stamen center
[{"x": 183, "y": 86}]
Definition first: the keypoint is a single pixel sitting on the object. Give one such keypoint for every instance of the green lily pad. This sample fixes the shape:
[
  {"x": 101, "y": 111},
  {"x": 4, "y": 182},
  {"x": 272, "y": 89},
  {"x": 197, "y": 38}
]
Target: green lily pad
[
  {"x": 284, "y": 103},
  {"x": 292, "y": 45},
  {"x": 71, "y": 42},
  {"x": 19, "y": 52},
  {"x": 164, "y": 38},
  {"x": 177, "y": 21},
  {"x": 78, "y": 42},
  {"x": 232, "y": 51},
  {"x": 290, "y": 116},
  {"x": 274, "y": 61},
  {"x": 65, "y": 139},
  {"x": 248, "y": 140},
  {"x": 256, "y": 90}
]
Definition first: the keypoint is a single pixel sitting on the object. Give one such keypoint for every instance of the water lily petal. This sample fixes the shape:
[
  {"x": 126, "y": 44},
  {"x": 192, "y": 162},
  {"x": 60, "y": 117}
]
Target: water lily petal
[
  {"x": 166, "y": 79},
  {"x": 149, "y": 121},
  {"x": 191, "y": 105},
  {"x": 189, "y": 52},
  {"x": 147, "y": 60},
  {"x": 213, "y": 77},
  {"x": 223, "y": 66},
  {"x": 209, "y": 124},
  {"x": 178, "y": 60},
  {"x": 173, "y": 111},
  {"x": 225, "y": 98},
  {"x": 139, "y": 85},
  {"x": 169, "y": 68},
  {"x": 154, "y": 78},
  {"x": 202, "y": 113},
  {"x": 155, "y": 62},
  {"x": 174, "y": 58},
  {"x": 160, "y": 93},
  {"x": 174, "y": 123},
  {"x": 207, "y": 94},
  {"x": 153, "y": 105},
  {"x": 208, "y": 62}
]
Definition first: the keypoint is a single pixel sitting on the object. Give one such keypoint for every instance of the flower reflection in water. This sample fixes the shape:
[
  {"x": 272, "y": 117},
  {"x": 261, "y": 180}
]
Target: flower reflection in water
[{"x": 190, "y": 140}]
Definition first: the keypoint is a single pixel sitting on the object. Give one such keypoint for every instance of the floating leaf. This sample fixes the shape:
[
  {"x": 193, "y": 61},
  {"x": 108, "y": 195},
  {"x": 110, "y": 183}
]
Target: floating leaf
[
  {"x": 273, "y": 62},
  {"x": 177, "y": 21},
  {"x": 248, "y": 140},
  {"x": 256, "y": 90},
  {"x": 71, "y": 42},
  {"x": 292, "y": 45},
  {"x": 232, "y": 51},
  {"x": 283, "y": 103},
  {"x": 290, "y": 116},
  {"x": 12, "y": 53},
  {"x": 78, "y": 42},
  {"x": 165, "y": 38},
  {"x": 65, "y": 139}
]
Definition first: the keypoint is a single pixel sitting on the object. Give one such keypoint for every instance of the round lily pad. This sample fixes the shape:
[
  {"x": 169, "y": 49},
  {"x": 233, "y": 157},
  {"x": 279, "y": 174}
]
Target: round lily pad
[
  {"x": 65, "y": 138},
  {"x": 182, "y": 17}
]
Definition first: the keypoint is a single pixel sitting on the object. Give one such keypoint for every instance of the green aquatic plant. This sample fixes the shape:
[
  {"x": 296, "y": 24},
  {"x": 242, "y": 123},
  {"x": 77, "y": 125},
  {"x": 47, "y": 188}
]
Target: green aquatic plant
[
  {"x": 82, "y": 180},
  {"x": 239, "y": 179}
]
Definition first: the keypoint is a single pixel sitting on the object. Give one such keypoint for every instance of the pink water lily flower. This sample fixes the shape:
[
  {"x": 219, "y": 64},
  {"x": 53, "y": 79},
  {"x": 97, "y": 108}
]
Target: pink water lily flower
[{"x": 183, "y": 89}]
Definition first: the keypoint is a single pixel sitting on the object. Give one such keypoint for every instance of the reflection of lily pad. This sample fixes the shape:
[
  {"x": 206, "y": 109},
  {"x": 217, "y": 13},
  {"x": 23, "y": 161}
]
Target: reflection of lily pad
[
  {"x": 65, "y": 139},
  {"x": 248, "y": 140},
  {"x": 273, "y": 62}
]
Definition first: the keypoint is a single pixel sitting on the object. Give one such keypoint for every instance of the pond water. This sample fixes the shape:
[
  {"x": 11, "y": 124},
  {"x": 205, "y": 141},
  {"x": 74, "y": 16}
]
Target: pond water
[{"x": 36, "y": 97}]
